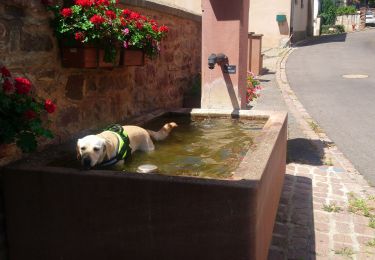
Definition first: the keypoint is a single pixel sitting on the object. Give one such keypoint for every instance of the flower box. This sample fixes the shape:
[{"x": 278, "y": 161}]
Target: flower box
[
  {"x": 133, "y": 57},
  {"x": 104, "y": 64},
  {"x": 85, "y": 57},
  {"x": 79, "y": 57},
  {"x": 102, "y": 24}
]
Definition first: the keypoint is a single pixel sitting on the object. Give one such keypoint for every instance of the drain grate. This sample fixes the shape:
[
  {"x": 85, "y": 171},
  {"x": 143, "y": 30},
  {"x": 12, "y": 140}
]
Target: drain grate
[{"x": 355, "y": 76}]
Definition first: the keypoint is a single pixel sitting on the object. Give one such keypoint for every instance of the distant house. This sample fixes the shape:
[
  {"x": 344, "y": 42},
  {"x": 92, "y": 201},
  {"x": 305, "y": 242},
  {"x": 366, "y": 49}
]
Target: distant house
[{"x": 281, "y": 21}]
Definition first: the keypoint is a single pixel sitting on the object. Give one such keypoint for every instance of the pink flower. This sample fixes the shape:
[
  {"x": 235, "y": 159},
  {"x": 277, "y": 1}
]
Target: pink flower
[
  {"x": 126, "y": 44},
  {"x": 97, "y": 19},
  {"x": 125, "y": 31},
  {"x": 66, "y": 12},
  {"x": 23, "y": 85}
]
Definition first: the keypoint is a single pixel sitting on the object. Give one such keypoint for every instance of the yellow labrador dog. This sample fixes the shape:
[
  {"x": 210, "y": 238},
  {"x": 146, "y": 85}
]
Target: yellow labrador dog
[{"x": 117, "y": 143}]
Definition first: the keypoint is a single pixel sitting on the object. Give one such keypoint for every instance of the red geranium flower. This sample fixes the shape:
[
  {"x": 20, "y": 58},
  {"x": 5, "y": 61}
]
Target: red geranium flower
[
  {"x": 155, "y": 28},
  {"x": 66, "y": 12},
  {"x": 79, "y": 36},
  {"x": 102, "y": 2},
  {"x": 126, "y": 12},
  {"x": 163, "y": 28},
  {"x": 97, "y": 19},
  {"x": 5, "y": 72},
  {"x": 110, "y": 14},
  {"x": 30, "y": 114},
  {"x": 134, "y": 15},
  {"x": 7, "y": 86},
  {"x": 84, "y": 3},
  {"x": 139, "y": 25},
  {"x": 23, "y": 85},
  {"x": 49, "y": 106}
]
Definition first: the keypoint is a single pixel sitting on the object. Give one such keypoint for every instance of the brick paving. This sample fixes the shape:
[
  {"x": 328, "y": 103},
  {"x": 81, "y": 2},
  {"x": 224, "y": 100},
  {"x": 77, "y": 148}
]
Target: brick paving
[{"x": 316, "y": 219}]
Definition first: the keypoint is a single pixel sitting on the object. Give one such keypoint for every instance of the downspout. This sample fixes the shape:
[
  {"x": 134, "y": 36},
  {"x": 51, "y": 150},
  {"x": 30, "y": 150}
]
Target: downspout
[{"x": 291, "y": 19}]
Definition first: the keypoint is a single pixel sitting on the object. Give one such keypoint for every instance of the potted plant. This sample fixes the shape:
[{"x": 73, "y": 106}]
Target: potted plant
[
  {"x": 95, "y": 32},
  {"x": 22, "y": 114},
  {"x": 252, "y": 88},
  {"x": 140, "y": 36}
]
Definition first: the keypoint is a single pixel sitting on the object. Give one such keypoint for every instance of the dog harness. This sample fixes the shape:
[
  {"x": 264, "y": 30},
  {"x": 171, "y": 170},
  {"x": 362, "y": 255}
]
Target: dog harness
[{"x": 124, "y": 150}]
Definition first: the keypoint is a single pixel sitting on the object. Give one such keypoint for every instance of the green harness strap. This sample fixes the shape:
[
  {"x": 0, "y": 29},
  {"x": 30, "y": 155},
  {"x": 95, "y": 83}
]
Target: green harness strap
[{"x": 124, "y": 150}]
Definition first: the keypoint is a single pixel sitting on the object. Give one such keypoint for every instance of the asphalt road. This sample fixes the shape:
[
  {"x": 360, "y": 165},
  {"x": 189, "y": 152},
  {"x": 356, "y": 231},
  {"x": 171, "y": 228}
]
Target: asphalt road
[{"x": 344, "y": 108}]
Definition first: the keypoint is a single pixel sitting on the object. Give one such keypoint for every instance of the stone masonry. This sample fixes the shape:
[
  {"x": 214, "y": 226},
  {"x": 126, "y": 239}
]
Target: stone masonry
[{"x": 93, "y": 98}]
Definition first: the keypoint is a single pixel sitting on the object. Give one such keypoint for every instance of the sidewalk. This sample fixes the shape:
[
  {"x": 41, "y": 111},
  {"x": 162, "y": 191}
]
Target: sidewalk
[{"x": 326, "y": 208}]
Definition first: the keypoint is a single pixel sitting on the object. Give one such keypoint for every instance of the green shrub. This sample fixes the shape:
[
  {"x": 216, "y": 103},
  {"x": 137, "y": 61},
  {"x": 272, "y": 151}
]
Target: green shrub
[
  {"x": 328, "y": 12},
  {"x": 332, "y": 29},
  {"x": 346, "y": 10}
]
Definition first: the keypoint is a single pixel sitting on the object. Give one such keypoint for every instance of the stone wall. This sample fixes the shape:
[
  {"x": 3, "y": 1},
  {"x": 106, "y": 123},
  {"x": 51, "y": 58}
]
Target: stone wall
[
  {"x": 93, "y": 98},
  {"x": 350, "y": 22}
]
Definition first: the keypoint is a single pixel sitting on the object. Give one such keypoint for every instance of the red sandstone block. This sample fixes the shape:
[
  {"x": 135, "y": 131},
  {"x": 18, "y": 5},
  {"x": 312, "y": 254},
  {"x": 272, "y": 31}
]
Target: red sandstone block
[
  {"x": 335, "y": 180},
  {"x": 303, "y": 169},
  {"x": 321, "y": 216},
  {"x": 319, "y": 201},
  {"x": 322, "y": 226},
  {"x": 321, "y": 184},
  {"x": 339, "y": 246},
  {"x": 342, "y": 217},
  {"x": 321, "y": 189},
  {"x": 342, "y": 238},
  {"x": 365, "y": 255},
  {"x": 321, "y": 238},
  {"x": 320, "y": 178},
  {"x": 360, "y": 220},
  {"x": 343, "y": 228},
  {"x": 320, "y": 195},
  {"x": 338, "y": 192},
  {"x": 322, "y": 250},
  {"x": 364, "y": 230},
  {"x": 363, "y": 240}
]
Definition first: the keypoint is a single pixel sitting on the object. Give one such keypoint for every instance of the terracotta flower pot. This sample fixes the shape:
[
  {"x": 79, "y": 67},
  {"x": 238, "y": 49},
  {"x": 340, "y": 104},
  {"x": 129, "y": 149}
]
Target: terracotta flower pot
[
  {"x": 133, "y": 57},
  {"x": 86, "y": 57},
  {"x": 79, "y": 57}
]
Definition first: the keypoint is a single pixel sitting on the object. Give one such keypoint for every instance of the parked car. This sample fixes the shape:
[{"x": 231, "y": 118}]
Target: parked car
[{"x": 370, "y": 18}]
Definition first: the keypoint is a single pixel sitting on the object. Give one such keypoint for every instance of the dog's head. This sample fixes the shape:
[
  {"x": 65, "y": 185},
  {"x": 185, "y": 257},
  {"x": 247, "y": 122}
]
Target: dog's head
[{"x": 91, "y": 150}]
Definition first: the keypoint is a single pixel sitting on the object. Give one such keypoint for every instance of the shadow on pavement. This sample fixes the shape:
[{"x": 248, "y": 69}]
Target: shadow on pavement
[
  {"x": 293, "y": 233},
  {"x": 324, "y": 39},
  {"x": 305, "y": 151}
]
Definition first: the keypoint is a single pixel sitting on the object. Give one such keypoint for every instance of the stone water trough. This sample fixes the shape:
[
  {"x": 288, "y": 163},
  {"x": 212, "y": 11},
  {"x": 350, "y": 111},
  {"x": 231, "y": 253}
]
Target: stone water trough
[{"x": 62, "y": 213}]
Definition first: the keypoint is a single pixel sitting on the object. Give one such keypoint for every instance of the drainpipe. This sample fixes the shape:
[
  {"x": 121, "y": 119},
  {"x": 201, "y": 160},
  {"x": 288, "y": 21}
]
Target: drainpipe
[{"x": 291, "y": 18}]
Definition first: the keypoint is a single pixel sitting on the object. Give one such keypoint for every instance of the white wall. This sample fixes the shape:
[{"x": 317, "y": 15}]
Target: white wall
[
  {"x": 262, "y": 20},
  {"x": 193, "y": 6}
]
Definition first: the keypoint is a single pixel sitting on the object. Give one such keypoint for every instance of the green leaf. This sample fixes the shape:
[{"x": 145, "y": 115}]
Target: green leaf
[{"x": 26, "y": 141}]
